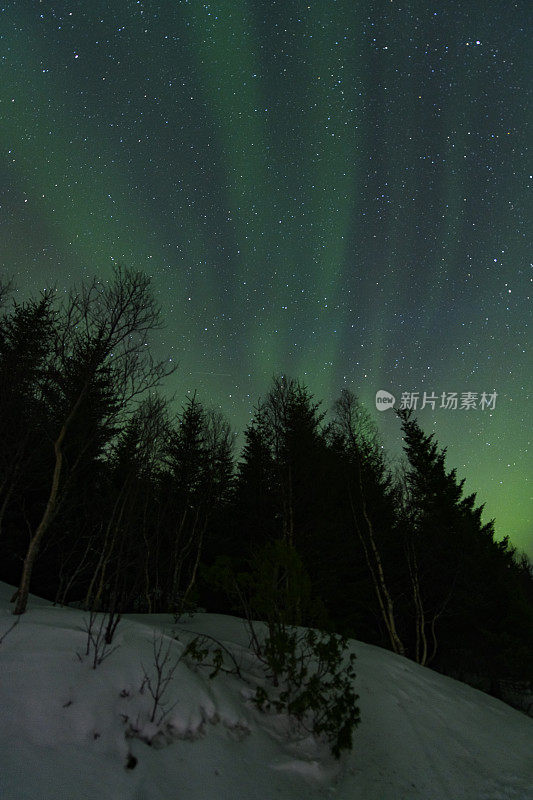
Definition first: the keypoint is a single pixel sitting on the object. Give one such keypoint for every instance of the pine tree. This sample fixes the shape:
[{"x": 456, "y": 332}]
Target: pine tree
[
  {"x": 255, "y": 506},
  {"x": 197, "y": 482},
  {"x": 281, "y": 476},
  {"x": 25, "y": 343},
  {"x": 463, "y": 583}
]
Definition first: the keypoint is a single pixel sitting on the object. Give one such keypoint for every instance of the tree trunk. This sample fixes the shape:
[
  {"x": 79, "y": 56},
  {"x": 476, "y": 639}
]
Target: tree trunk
[
  {"x": 376, "y": 569},
  {"x": 44, "y": 524},
  {"x": 51, "y": 505}
]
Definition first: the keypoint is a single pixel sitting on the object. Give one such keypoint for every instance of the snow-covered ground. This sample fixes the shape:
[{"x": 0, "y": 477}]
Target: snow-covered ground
[{"x": 66, "y": 729}]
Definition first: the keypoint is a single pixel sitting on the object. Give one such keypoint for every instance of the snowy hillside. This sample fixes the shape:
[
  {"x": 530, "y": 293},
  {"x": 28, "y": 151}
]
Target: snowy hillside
[{"x": 71, "y": 732}]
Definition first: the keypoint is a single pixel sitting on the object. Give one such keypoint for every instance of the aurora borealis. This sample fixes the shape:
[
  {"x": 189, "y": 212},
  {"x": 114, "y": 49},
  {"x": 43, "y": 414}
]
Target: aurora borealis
[{"x": 334, "y": 190}]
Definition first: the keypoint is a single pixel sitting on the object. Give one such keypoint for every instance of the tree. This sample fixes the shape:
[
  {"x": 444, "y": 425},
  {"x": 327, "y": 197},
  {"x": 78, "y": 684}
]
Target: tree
[
  {"x": 281, "y": 459},
  {"x": 128, "y": 548},
  {"x": 26, "y": 336},
  {"x": 464, "y": 584},
  {"x": 100, "y": 347},
  {"x": 196, "y": 482},
  {"x": 292, "y": 422},
  {"x": 254, "y": 508},
  {"x": 368, "y": 488},
  {"x": 281, "y": 476}
]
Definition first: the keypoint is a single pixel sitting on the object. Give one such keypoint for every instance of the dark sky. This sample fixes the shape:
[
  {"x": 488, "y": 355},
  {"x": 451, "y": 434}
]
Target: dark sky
[{"x": 334, "y": 191}]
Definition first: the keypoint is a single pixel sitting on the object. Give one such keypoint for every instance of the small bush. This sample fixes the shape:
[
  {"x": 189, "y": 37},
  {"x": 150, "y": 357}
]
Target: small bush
[
  {"x": 308, "y": 673},
  {"x": 312, "y": 681},
  {"x": 100, "y": 636}
]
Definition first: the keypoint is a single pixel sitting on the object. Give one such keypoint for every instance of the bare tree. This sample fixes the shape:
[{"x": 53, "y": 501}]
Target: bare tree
[
  {"x": 128, "y": 537},
  {"x": 102, "y": 338}
]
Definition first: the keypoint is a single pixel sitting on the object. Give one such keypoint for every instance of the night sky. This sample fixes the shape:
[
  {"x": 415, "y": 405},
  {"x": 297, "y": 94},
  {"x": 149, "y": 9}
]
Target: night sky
[{"x": 334, "y": 191}]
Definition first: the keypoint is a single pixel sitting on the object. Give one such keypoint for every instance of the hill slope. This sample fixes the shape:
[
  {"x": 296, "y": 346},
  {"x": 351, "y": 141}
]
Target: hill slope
[{"x": 69, "y": 731}]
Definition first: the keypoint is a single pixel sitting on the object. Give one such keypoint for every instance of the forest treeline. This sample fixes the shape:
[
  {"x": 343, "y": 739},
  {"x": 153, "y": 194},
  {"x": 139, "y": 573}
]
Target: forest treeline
[{"x": 111, "y": 499}]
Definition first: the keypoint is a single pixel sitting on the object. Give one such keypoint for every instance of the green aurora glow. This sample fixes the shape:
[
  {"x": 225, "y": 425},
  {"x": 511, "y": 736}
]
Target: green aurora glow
[{"x": 334, "y": 190}]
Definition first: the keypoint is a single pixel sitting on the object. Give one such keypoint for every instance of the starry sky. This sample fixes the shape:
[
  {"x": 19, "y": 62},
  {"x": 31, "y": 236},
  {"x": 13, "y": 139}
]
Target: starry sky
[{"x": 332, "y": 189}]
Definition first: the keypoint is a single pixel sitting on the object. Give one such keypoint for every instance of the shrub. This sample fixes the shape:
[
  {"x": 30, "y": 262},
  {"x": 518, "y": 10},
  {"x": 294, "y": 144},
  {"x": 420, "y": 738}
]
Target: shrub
[
  {"x": 312, "y": 681},
  {"x": 308, "y": 673}
]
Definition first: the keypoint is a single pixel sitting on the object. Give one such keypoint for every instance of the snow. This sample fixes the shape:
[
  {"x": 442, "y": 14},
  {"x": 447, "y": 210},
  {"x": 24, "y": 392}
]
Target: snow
[{"x": 69, "y": 731}]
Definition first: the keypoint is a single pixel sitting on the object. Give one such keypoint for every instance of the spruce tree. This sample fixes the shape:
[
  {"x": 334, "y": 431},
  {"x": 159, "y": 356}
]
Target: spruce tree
[
  {"x": 195, "y": 485},
  {"x": 463, "y": 583},
  {"x": 26, "y": 336}
]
